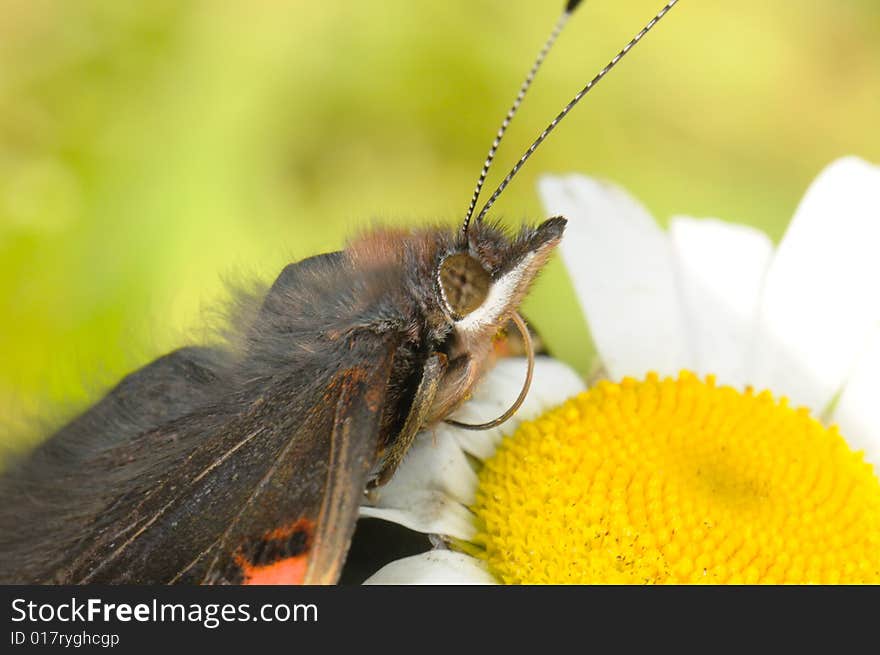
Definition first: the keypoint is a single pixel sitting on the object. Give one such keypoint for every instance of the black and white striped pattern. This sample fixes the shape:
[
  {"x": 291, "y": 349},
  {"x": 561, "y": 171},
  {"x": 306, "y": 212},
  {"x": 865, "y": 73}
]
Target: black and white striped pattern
[
  {"x": 560, "y": 24},
  {"x": 528, "y": 153}
]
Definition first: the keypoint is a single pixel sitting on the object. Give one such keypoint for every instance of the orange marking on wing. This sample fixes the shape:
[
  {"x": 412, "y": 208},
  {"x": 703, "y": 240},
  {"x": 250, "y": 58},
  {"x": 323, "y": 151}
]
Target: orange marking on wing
[
  {"x": 283, "y": 572},
  {"x": 300, "y": 525},
  {"x": 279, "y": 557}
]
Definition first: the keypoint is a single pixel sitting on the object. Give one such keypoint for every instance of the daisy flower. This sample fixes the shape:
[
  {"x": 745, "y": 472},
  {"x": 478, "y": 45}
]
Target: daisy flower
[{"x": 734, "y": 436}]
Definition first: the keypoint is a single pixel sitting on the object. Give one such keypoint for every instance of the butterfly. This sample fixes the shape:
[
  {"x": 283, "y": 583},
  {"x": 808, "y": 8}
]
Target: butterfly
[{"x": 247, "y": 463}]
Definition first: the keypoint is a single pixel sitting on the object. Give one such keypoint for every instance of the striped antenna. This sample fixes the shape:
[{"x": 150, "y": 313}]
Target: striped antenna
[
  {"x": 537, "y": 142},
  {"x": 563, "y": 19}
]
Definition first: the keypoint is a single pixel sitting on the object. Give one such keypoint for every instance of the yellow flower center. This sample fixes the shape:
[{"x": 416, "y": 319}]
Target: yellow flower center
[{"x": 678, "y": 481}]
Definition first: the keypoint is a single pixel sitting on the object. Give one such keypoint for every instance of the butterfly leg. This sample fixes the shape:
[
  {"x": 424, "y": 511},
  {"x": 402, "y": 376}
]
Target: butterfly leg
[{"x": 419, "y": 413}]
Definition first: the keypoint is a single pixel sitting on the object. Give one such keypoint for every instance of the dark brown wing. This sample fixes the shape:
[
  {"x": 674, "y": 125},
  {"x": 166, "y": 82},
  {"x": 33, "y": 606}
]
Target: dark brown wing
[
  {"x": 260, "y": 458},
  {"x": 276, "y": 541},
  {"x": 281, "y": 480},
  {"x": 48, "y": 497}
]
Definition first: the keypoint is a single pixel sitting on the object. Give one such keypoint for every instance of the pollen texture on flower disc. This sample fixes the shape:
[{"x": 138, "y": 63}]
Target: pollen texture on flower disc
[{"x": 678, "y": 481}]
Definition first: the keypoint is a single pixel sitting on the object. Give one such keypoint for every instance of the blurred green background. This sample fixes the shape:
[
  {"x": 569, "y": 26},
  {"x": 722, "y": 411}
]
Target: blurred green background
[{"x": 149, "y": 150}]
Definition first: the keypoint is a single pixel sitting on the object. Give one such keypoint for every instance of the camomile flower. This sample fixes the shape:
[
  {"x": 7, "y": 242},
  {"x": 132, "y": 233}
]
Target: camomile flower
[{"x": 734, "y": 436}]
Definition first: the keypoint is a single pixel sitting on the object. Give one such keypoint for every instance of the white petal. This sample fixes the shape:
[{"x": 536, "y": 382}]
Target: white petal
[
  {"x": 434, "y": 567},
  {"x": 433, "y": 463},
  {"x": 822, "y": 294},
  {"x": 621, "y": 266},
  {"x": 430, "y": 490},
  {"x": 858, "y": 411},
  {"x": 721, "y": 269},
  {"x": 553, "y": 383},
  {"x": 431, "y": 512}
]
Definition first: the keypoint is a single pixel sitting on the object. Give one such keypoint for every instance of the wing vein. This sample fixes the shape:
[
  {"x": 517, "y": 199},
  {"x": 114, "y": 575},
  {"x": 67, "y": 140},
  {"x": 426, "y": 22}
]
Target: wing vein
[{"x": 217, "y": 462}]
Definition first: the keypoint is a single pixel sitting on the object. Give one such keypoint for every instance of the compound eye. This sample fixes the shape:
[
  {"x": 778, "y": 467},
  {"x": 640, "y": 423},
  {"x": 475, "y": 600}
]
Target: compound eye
[{"x": 464, "y": 284}]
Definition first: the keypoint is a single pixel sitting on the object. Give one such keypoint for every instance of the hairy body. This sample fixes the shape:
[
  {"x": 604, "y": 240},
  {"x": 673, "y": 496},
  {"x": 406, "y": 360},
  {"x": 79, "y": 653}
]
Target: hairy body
[{"x": 247, "y": 462}]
